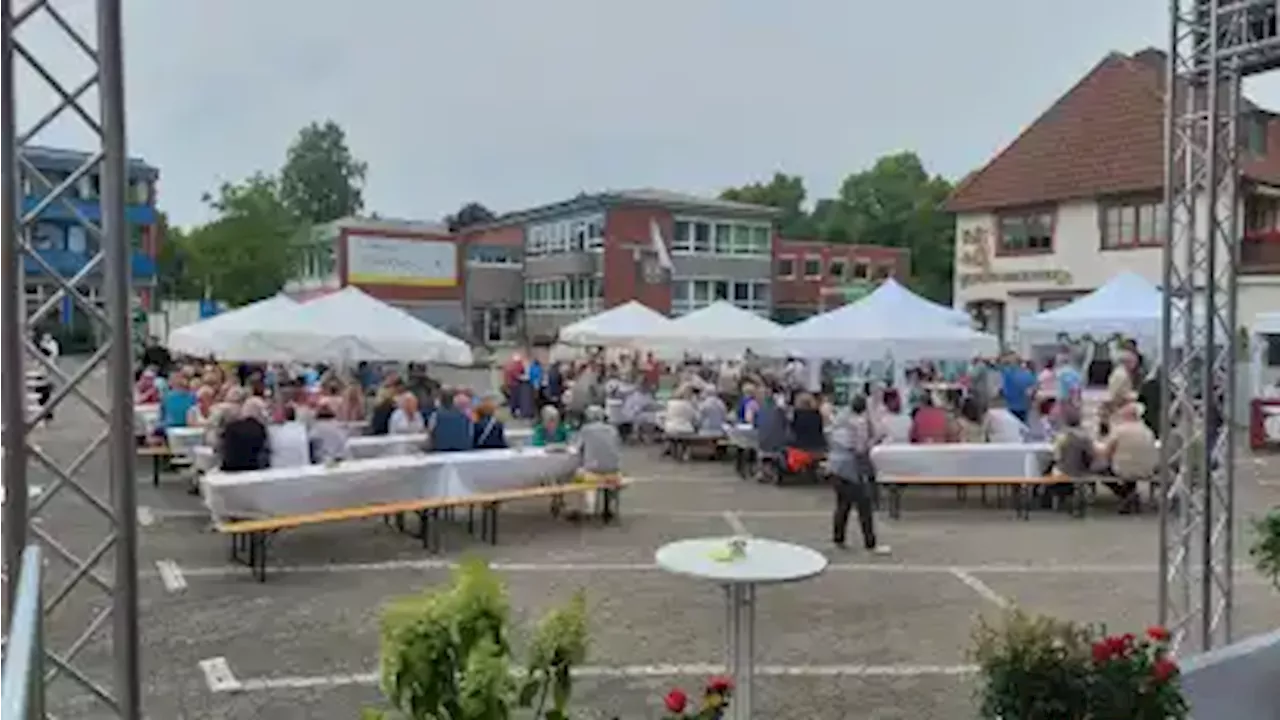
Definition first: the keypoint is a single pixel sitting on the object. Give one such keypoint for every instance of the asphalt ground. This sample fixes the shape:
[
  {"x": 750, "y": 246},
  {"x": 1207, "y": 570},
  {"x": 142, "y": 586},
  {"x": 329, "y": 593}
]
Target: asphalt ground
[{"x": 872, "y": 638}]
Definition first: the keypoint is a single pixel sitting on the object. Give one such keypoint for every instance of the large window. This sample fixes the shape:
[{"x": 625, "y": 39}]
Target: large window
[
  {"x": 838, "y": 269},
  {"x": 1132, "y": 223},
  {"x": 813, "y": 267},
  {"x": 581, "y": 234},
  {"x": 690, "y": 295},
  {"x": 720, "y": 237},
  {"x": 571, "y": 295},
  {"x": 786, "y": 267},
  {"x": 493, "y": 256},
  {"x": 1026, "y": 232}
]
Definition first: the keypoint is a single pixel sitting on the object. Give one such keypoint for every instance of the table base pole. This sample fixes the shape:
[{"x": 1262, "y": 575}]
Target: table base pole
[{"x": 741, "y": 646}]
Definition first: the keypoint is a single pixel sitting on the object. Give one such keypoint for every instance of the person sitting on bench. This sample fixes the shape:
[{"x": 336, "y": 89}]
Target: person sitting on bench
[
  {"x": 244, "y": 439},
  {"x": 712, "y": 416},
  {"x": 1131, "y": 453},
  {"x": 549, "y": 430},
  {"x": 600, "y": 448}
]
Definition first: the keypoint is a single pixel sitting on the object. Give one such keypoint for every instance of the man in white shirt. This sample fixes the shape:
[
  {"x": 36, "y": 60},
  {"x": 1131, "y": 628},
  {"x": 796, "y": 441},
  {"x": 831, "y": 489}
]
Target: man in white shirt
[{"x": 1003, "y": 426}]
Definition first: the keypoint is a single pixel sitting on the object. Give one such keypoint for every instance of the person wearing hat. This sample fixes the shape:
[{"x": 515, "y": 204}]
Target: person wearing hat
[{"x": 1131, "y": 453}]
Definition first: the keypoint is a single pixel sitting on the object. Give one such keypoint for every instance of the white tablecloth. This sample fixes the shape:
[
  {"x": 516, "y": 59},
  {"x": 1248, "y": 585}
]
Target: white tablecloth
[
  {"x": 315, "y": 488},
  {"x": 145, "y": 419},
  {"x": 364, "y": 447},
  {"x": 184, "y": 440},
  {"x": 962, "y": 460}
]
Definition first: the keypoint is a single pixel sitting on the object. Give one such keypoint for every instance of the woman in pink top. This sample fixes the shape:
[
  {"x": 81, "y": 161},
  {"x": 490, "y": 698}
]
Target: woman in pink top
[{"x": 930, "y": 424}]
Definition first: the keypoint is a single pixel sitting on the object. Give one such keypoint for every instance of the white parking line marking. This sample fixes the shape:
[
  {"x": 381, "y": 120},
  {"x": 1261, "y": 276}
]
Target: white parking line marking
[
  {"x": 171, "y": 576},
  {"x": 621, "y": 671},
  {"x": 217, "y": 674},
  {"x": 1245, "y": 573},
  {"x": 735, "y": 523},
  {"x": 983, "y": 589}
]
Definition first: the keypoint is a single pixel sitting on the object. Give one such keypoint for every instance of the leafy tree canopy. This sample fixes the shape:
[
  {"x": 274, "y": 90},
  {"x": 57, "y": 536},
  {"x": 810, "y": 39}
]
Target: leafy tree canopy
[
  {"x": 321, "y": 180},
  {"x": 247, "y": 253},
  {"x": 784, "y": 192},
  {"x": 469, "y": 215}
]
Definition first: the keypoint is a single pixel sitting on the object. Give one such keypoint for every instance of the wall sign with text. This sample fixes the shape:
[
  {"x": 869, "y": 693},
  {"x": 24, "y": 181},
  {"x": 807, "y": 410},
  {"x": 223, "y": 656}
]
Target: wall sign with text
[
  {"x": 974, "y": 265},
  {"x": 380, "y": 260}
]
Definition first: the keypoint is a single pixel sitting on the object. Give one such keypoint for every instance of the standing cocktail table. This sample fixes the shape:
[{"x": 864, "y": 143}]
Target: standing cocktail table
[{"x": 761, "y": 562}]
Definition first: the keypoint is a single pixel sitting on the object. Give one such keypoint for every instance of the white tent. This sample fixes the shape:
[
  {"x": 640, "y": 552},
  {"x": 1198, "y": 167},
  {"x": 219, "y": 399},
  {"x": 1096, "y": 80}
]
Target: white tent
[
  {"x": 893, "y": 297},
  {"x": 234, "y": 334},
  {"x": 349, "y": 326},
  {"x": 629, "y": 325},
  {"x": 862, "y": 332},
  {"x": 1128, "y": 305},
  {"x": 722, "y": 329}
]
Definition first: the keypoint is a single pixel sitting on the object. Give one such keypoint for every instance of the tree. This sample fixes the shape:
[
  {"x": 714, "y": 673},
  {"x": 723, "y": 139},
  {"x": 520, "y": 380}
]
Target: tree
[
  {"x": 469, "y": 215},
  {"x": 898, "y": 204},
  {"x": 173, "y": 279},
  {"x": 784, "y": 192},
  {"x": 321, "y": 180},
  {"x": 247, "y": 253}
]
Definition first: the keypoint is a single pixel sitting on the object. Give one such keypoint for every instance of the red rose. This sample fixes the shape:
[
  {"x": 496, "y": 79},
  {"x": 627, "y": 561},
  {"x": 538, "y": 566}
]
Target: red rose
[
  {"x": 720, "y": 684},
  {"x": 1117, "y": 645},
  {"x": 1102, "y": 651},
  {"x": 1163, "y": 669},
  {"x": 676, "y": 700},
  {"x": 1157, "y": 633}
]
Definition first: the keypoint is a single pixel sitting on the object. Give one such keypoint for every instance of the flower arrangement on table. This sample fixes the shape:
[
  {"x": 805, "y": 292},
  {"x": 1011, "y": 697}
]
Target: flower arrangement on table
[
  {"x": 1037, "y": 667},
  {"x": 715, "y": 701}
]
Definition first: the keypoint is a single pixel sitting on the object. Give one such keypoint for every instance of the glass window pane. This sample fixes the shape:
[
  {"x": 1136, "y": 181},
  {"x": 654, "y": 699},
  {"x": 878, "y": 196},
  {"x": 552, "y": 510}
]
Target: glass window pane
[
  {"x": 702, "y": 237},
  {"x": 760, "y": 240},
  {"x": 741, "y": 292},
  {"x": 683, "y": 237},
  {"x": 721, "y": 290},
  {"x": 724, "y": 239},
  {"x": 701, "y": 291},
  {"x": 741, "y": 239}
]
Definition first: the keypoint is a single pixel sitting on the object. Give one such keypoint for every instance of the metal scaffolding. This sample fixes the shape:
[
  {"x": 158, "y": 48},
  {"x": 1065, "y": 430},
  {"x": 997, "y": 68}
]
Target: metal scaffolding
[
  {"x": 19, "y": 264},
  {"x": 1213, "y": 46}
]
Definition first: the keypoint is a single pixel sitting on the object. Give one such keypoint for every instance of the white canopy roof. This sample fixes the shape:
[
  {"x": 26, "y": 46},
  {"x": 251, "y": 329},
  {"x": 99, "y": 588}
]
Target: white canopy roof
[
  {"x": 234, "y": 333},
  {"x": 1128, "y": 304},
  {"x": 350, "y": 326},
  {"x": 892, "y": 296},
  {"x": 627, "y": 325},
  {"x": 722, "y": 329},
  {"x": 862, "y": 332}
]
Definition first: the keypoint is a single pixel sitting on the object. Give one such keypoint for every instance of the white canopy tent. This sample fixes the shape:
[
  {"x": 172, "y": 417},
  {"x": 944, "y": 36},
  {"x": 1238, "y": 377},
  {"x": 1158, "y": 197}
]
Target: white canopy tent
[
  {"x": 1127, "y": 305},
  {"x": 856, "y": 333},
  {"x": 349, "y": 326},
  {"x": 722, "y": 329},
  {"x": 631, "y": 325},
  {"x": 893, "y": 297},
  {"x": 234, "y": 334}
]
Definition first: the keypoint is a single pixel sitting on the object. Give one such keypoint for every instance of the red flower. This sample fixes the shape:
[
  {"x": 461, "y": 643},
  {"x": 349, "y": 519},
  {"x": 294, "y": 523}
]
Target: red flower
[
  {"x": 1102, "y": 651},
  {"x": 676, "y": 700},
  {"x": 1118, "y": 645},
  {"x": 719, "y": 684},
  {"x": 1163, "y": 669},
  {"x": 1157, "y": 633}
]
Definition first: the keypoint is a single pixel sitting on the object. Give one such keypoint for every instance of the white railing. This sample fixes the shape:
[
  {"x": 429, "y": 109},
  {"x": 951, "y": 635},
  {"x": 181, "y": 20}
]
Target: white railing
[{"x": 23, "y": 685}]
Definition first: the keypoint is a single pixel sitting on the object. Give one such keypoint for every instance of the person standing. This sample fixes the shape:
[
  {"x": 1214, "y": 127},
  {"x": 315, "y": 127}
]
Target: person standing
[
  {"x": 1017, "y": 384},
  {"x": 852, "y": 438}
]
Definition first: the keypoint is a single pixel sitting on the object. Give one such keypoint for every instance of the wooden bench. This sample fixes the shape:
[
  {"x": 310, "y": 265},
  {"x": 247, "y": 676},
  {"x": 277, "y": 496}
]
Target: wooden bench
[
  {"x": 1079, "y": 502},
  {"x": 1019, "y": 486},
  {"x": 683, "y": 446},
  {"x": 249, "y": 538},
  {"x": 159, "y": 454}
]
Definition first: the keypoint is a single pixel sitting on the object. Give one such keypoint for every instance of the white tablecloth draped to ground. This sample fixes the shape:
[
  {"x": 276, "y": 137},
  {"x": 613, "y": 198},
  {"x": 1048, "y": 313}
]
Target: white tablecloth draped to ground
[
  {"x": 315, "y": 488},
  {"x": 962, "y": 460},
  {"x": 364, "y": 447},
  {"x": 145, "y": 419},
  {"x": 184, "y": 440}
]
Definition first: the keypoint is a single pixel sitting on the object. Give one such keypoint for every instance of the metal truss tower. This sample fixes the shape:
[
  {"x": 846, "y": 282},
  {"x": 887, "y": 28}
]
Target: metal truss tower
[
  {"x": 117, "y": 549},
  {"x": 1213, "y": 46}
]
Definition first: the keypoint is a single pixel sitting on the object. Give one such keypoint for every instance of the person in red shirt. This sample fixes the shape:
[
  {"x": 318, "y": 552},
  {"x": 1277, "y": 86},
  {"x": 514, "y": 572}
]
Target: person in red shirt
[{"x": 930, "y": 424}]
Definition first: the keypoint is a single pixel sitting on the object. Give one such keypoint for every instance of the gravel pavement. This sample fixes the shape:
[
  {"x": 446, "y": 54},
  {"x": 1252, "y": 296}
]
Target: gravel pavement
[{"x": 872, "y": 638}]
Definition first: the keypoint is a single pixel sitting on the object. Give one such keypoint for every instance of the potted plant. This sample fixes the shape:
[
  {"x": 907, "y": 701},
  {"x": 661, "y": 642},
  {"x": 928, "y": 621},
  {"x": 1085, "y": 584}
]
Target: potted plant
[
  {"x": 715, "y": 701},
  {"x": 1038, "y": 668},
  {"x": 446, "y": 654},
  {"x": 1266, "y": 548}
]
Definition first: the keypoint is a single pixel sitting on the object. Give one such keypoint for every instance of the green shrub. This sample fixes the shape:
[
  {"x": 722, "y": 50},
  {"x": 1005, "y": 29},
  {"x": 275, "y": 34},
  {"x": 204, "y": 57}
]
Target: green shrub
[{"x": 1266, "y": 548}]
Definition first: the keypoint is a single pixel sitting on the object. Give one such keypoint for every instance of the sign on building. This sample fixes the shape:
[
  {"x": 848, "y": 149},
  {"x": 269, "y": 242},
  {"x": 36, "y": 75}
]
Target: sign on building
[{"x": 378, "y": 260}]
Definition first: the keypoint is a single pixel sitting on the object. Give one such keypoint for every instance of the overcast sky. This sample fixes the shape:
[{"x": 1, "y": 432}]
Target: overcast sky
[{"x": 520, "y": 102}]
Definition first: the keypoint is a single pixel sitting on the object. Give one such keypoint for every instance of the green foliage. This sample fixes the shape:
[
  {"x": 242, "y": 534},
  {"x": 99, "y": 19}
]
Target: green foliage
[
  {"x": 446, "y": 655},
  {"x": 784, "y": 192},
  {"x": 247, "y": 253},
  {"x": 895, "y": 203},
  {"x": 469, "y": 215},
  {"x": 1266, "y": 548},
  {"x": 321, "y": 180},
  {"x": 1039, "y": 668}
]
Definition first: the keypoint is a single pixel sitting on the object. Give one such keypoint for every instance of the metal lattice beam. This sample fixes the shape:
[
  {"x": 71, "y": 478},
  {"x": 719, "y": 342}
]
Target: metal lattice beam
[
  {"x": 112, "y": 264},
  {"x": 1214, "y": 44}
]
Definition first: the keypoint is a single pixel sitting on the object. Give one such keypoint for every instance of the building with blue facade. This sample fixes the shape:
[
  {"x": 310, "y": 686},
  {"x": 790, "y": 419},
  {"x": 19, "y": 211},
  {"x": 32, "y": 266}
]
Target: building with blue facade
[{"x": 62, "y": 241}]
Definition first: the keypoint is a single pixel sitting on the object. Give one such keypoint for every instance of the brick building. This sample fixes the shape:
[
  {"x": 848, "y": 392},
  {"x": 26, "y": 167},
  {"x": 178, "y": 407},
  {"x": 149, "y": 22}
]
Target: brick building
[{"x": 530, "y": 272}]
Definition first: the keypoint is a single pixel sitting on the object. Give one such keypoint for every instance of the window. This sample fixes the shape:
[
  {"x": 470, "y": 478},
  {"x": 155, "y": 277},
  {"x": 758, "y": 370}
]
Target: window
[
  {"x": 708, "y": 237},
  {"x": 861, "y": 271},
  {"x": 492, "y": 256},
  {"x": 688, "y": 295},
  {"x": 837, "y": 269},
  {"x": 1272, "y": 350},
  {"x": 580, "y": 234},
  {"x": 1030, "y": 232},
  {"x": 1053, "y": 303},
  {"x": 574, "y": 295},
  {"x": 1253, "y": 133},
  {"x": 1135, "y": 223},
  {"x": 812, "y": 267},
  {"x": 1262, "y": 213},
  {"x": 882, "y": 272},
  {"x": 48, "y": 236},
  {"x": 786, "y": 267}
]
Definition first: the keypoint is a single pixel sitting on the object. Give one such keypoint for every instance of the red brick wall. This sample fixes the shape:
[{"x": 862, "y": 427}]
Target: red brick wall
[
  {"x": 625, "y": 229},
  {"x": 391, "y": 293},
  {"x": 508, "y": 236},
  {"x": 799, "y": 291}
]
